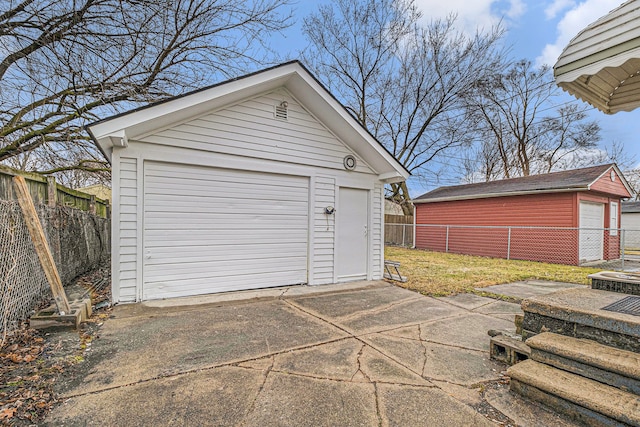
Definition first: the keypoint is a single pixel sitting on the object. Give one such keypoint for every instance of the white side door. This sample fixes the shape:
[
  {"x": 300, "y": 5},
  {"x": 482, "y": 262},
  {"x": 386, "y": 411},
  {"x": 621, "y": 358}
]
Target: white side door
[{"x": 352, "y": 239}]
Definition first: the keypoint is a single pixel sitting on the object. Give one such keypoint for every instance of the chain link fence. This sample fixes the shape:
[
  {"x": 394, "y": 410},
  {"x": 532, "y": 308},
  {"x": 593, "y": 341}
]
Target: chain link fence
[
  {"x": 398, "y": 235},
  {"x": 558, "y": 245},
  {"x": 630, "y": 244},
  {"x": 79, "y": 241},
  {"x": 23, "y": 284}
]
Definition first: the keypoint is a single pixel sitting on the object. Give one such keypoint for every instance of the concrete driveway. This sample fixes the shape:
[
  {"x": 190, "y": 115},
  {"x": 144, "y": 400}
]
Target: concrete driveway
[{"x": 364, "y": 354}]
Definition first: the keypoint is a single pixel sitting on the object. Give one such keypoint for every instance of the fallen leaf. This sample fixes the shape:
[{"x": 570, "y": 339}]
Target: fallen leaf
[{"x": 7, "y": 413}]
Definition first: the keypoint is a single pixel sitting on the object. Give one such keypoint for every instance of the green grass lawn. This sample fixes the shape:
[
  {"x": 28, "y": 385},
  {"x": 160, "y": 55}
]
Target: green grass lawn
[{"x": 439, "y": 274}]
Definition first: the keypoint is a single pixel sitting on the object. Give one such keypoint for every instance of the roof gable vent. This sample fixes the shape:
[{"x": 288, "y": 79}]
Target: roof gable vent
[{"x": 281, "y": 111}]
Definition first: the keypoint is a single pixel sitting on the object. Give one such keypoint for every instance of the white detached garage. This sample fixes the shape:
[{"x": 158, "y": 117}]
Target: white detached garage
[{"x": 256, "y": 182}]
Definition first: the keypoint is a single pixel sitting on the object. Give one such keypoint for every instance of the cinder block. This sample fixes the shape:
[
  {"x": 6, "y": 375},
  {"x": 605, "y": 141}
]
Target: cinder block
[
  {"x": 508, "y": 350},
  {"x": 50, "y": 318}
]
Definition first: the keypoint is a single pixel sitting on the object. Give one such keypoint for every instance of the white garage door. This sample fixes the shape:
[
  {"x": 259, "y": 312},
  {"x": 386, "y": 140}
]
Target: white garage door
[
  {"x": 213, "y": 230},
  {"x": 591, "y": 233}
]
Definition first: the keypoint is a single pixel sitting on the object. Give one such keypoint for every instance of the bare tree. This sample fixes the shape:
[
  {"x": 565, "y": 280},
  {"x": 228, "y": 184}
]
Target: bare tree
[
  {"x": 404, "y": 82},
  {"x": 66, "y": 62},
  {"x": 520, "y": 131},
  {"x": 633, "y": 178}
]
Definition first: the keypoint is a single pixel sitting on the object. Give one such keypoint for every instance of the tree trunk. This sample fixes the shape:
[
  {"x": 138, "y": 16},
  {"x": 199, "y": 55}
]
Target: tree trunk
[{"x": 401, "y": 196}]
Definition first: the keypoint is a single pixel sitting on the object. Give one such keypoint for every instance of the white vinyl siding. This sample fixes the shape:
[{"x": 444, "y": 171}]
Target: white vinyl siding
[
  {"x": 250, "y": 129},
  {"x": 127, "y": 223},
  {"x": 377, "y": 234},
  {"x": 324, "y": 230},
  {"x": 213, "y": 230},
  {"x": 630, "y": 223}
]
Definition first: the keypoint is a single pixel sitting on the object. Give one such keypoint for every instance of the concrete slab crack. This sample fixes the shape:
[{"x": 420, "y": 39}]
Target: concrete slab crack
[
  {"x": 283, "y": 293},
  {"x": 424, "y": 346},
  {"x": 338, "y": 380},
  {"x": 378, "y": 414},
  {"x": 379, "y": 309},
  {"x": 359, "y": 367},
  {"x": 297, "y": 307},
  {"x": 260, "y": 389}
]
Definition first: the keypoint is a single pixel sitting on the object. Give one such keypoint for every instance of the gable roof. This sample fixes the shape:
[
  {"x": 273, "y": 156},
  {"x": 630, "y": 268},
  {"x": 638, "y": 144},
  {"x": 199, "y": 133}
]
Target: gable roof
[
  {"x": 555, "y": 182},
  {"x": 630, "y": 207},
  {"x": 117, "y": 130}
]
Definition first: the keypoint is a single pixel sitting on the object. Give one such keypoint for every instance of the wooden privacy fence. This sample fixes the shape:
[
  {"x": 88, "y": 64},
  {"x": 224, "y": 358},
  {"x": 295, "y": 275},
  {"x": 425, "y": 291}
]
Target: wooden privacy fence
[
  {"x": 398, "y": 230},
  {"x": 45, "y": 190}
]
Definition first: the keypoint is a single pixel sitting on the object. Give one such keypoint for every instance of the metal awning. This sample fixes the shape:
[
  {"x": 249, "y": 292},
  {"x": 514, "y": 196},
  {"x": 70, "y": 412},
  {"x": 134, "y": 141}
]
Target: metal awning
[{"x": 601, "y": 65}]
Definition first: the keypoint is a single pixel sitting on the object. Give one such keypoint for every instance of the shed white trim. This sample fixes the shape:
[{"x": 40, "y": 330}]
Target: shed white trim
[
  {"x": 293, "y": 76},
  {"x": 216, "y": 193}
]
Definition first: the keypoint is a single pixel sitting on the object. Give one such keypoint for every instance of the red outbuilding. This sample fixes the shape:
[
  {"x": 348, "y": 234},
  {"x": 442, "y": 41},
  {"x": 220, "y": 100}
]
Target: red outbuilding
[{"x": 564, "y": 217}]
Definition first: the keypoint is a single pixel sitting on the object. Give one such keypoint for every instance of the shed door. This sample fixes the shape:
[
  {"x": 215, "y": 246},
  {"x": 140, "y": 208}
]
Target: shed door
[
  {"x": 591, "y": 231},
  {"x": 352, "y": 239},
  {"x": 213, "y": 230}
]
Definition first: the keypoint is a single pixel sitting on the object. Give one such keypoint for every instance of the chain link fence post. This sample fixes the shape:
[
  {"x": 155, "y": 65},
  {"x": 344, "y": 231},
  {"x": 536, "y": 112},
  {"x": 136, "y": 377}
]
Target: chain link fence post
[
  {"x": 622, "y": 247},
  {"x": 447, "y": 241}
]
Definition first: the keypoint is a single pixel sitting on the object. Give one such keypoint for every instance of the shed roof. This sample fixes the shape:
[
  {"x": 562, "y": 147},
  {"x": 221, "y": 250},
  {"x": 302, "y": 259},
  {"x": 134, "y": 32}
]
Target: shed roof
[
  {"x": 630, "y": 207},
  {"x": 570, "y": 180},
  {"x": 601, "y": 64},
  {"x": 117, "y": 130}
]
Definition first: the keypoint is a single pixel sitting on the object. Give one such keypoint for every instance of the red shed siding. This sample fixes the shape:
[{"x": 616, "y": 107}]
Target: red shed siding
[
  {"x": 539, "y": 210},
  {"x": 614, "y": 188},
  {"x": 542, "y": 210}
]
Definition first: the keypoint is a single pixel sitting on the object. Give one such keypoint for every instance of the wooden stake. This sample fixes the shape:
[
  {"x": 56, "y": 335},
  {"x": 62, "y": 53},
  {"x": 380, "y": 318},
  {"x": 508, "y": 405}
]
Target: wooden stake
[{"x": 40, "y": 242}]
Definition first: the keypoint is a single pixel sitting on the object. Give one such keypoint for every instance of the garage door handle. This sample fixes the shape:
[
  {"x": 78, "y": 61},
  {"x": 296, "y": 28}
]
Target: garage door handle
[{"x": 365, "y": 230}]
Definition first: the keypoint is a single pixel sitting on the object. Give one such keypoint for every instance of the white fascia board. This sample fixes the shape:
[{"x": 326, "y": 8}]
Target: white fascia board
[
  {"x": 599, "y": 176},
  {"x": 181, "y": 108},
  {"x": 620, "y": 177},
  {"x": 391, "y": 178},
  {"x": 344, "y": 125},
  {"x": 292, "y": 76},
  {"x": 494, "y": 195}
]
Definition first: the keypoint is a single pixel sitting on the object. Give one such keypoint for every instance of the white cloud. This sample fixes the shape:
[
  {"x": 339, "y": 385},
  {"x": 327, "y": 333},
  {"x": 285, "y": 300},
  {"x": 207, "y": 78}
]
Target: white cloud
[
  {"x": 472, "y": 15},
  {"x": 558, "y": 6},
  {"x": 516, "y": 9},
  {"x": 572, "y": 22}
]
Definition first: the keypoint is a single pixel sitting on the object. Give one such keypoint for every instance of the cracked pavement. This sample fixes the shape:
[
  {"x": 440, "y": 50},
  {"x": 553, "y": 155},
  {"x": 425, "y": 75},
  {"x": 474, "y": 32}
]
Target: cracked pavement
[{"x": 361, "y": 355}]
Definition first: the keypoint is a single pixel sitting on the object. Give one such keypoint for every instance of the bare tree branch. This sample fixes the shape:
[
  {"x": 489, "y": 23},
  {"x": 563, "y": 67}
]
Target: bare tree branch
[
  {"x": 404, "y": 82},
  {"x": 66, "y": 62},
  {"x": 509, "y": 109}
]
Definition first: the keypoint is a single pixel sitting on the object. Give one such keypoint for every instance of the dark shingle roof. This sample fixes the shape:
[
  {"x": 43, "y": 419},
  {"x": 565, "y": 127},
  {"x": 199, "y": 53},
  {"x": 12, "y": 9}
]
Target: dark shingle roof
[
  {"x": 578, "y": 179},
  {"x": 630, "y": 207}
]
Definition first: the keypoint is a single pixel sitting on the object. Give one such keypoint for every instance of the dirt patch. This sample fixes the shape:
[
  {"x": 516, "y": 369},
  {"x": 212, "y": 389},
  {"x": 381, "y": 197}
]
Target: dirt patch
[{"x": 32, "y": 362}]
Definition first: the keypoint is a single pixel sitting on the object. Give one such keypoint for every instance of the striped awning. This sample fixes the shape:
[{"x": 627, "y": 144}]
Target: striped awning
[{"x": 601, "y": 65}]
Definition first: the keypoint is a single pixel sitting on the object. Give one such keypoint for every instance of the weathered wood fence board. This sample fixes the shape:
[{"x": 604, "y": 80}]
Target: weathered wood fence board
[
  {"x": 46, "y": 191},
  {"x": 398, "y": 230}
]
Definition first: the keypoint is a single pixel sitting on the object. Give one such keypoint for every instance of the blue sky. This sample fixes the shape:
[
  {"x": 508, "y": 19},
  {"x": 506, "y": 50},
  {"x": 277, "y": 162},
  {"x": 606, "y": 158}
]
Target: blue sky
[{"x": 537, "y": 30}]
